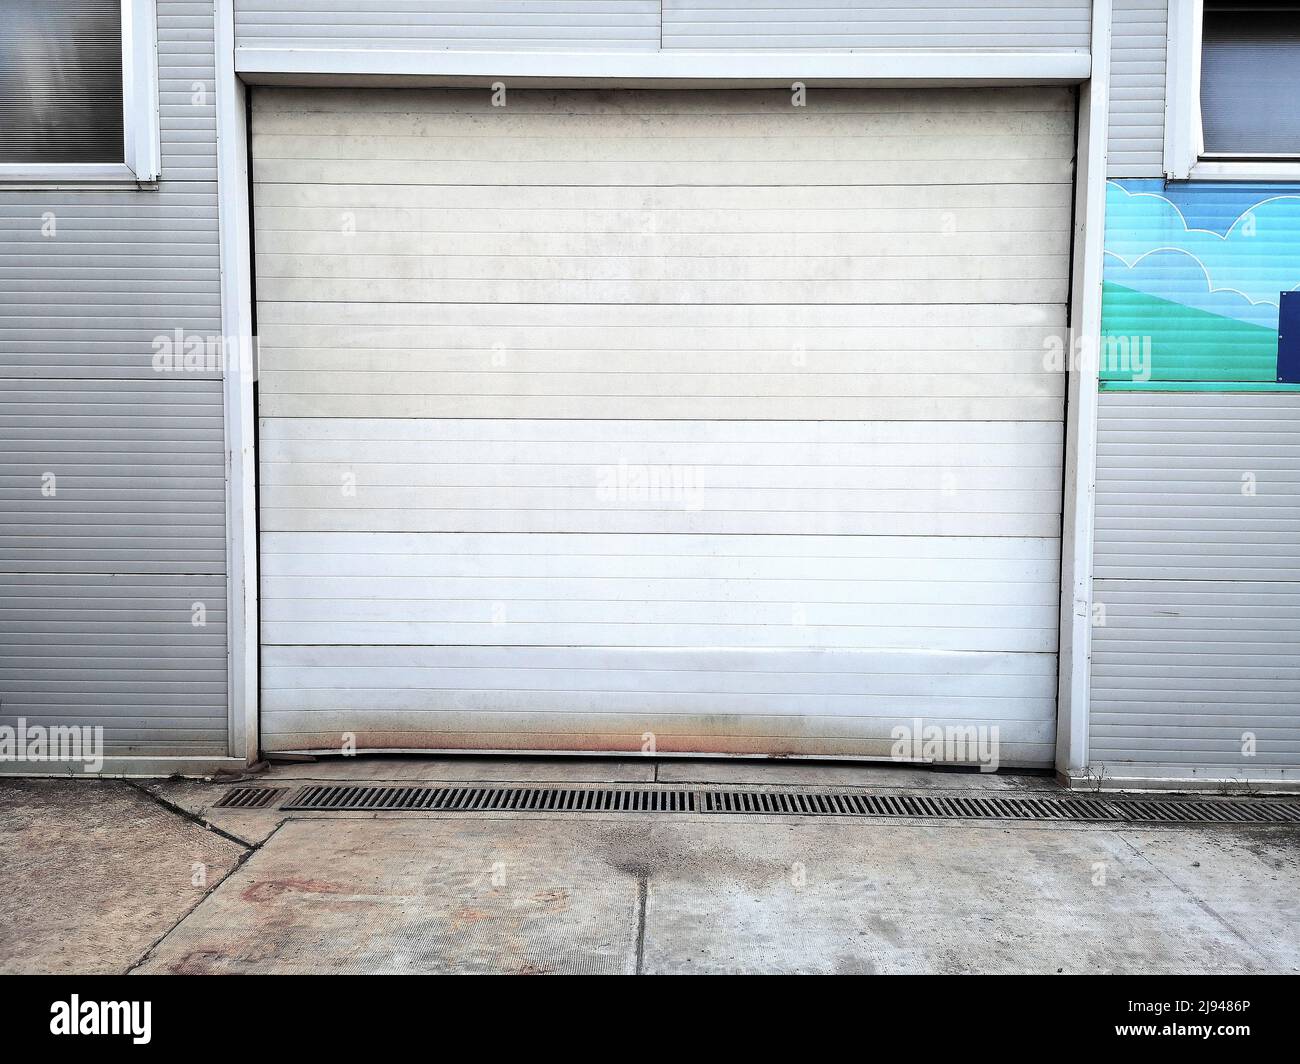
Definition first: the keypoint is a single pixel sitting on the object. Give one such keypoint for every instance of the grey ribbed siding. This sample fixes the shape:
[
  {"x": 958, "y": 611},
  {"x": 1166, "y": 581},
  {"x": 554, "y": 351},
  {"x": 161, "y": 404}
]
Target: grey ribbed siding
[
  {"x": 1137, "y": 88},
  {"x": 100, "y": 581},
  {"x": 840, "y": 24},
  {"x": 1200, "y": 582},
  {"x": 563, "y": 25},
  {"x": 641, "y": 25}
]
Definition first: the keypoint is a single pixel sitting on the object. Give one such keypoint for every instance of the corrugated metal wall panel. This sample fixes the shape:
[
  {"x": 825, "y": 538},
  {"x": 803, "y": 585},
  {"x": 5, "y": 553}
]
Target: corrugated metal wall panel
[
  {"x": 1137, "y": 88},
  {"x": 114, "y": 476},
  {"x": 838, "y": 24},
  {"x": 121, "y": 269},
  {"x": 1198, "y": 570},
  {"x": 119, "y": 651},
  {"x": 565, "y": 25},
  {"x": 481, "y": 349},
  {"x": 562, "y": 25},
  {"x": 100, "y": 580}
]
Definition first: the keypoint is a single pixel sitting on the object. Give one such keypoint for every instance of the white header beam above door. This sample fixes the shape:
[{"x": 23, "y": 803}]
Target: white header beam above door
[{"x": 660, "y": 69}]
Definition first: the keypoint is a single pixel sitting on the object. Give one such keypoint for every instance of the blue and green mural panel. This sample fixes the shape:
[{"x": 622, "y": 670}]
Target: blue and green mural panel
[{"x": 1194, "y": 279}]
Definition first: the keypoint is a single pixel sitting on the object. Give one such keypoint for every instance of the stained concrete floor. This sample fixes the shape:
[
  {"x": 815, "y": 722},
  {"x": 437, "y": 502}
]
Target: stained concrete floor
[
  {"x": 93, "y": 873},
  {"x": 100, "y": 877}
]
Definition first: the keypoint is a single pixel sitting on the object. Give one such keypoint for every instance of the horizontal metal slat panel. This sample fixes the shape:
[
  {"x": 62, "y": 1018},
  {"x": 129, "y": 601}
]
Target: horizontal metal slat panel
[
  {"x": 568, "y": 25},
  {"x": 1137, "y": 88},
  {"x": 118, "y": 651},
  {"x": 1202, "y": 485},
  {"x": 639, "y": 476},
  {"x": 509, "y": 733},
  {"x": 187, "y": 91},
  {"x": 1197, "y": 663},
  {"x": 879, "y": 24},
  {"x": 768, "y": 591},
  {"x": 548, "y": 588},
  {"x": 482, "y": 25},
  {"x": 840, "y": 683},
  {"x": 112, "y": 477}
]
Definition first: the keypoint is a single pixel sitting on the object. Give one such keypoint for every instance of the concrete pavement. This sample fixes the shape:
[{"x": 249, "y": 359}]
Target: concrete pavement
[
  {"x": 93, "y": 873},
  {"x": 106, "y": 883}
]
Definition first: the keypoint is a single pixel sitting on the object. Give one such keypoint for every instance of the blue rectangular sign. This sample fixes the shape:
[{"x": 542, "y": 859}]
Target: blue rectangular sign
[{"x": 1288, "y": 339}]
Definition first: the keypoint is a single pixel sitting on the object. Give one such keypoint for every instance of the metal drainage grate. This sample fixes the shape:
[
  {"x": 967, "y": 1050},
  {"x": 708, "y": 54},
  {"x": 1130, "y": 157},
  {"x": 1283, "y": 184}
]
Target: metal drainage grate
[
  {"x": 1209, "y": 811},
  {"x": 369, "y": 798},
  {"x": 845, "y": 803},
  {"x": 250, "y": 798},
  {"x": 491, "y": 799}
]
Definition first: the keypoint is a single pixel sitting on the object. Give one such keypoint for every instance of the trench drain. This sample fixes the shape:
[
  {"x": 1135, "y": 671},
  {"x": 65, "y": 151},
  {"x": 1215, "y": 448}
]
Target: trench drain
[
  {"x": 490, "y": 799},
  {"x": 250, "y": 798}
]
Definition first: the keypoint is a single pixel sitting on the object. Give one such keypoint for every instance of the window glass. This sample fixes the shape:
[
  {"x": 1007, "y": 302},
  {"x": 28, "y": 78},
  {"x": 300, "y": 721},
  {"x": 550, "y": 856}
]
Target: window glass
[
  {"x": 1250, "y": 78},
  {"x": 61, "y": 81}
]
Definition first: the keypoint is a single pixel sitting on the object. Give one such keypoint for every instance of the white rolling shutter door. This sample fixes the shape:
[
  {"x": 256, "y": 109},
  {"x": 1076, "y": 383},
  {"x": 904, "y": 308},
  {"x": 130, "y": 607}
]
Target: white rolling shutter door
[{"x": 693, "y": 415}]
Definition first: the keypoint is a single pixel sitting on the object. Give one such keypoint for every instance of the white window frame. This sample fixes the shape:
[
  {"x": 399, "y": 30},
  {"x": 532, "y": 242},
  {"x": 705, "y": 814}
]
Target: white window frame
[
  {"x": 1184, "y": 141},
  {"x": 143, "y": 149}
]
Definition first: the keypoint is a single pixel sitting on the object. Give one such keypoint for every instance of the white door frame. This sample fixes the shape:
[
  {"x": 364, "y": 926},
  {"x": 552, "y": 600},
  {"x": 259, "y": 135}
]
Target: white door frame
[
  {"x": 1074, "y": 666},
  {"x": 239, "y": 381}
]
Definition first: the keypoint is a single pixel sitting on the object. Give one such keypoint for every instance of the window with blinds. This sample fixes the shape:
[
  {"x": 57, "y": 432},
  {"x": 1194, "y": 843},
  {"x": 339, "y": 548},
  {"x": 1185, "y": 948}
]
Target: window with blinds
[
  {"x": 1250, "y": 80},
  {"x": 61, "y": 81}
]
